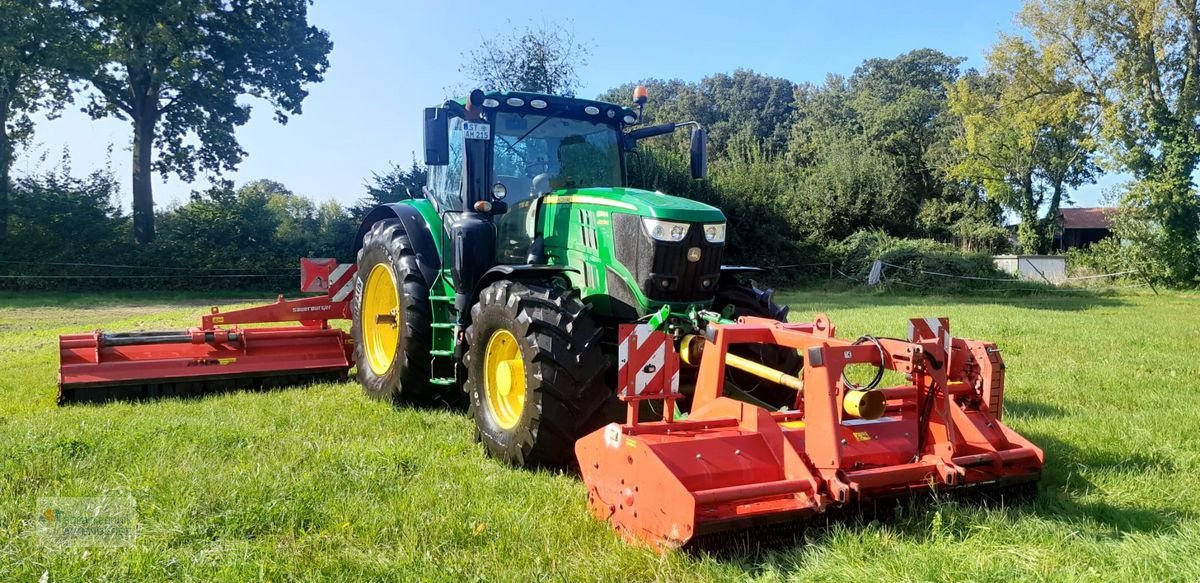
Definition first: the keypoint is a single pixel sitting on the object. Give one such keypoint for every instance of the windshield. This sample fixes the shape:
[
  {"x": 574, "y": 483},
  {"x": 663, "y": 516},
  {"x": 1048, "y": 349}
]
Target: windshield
[{"x": 535, "y": 154}]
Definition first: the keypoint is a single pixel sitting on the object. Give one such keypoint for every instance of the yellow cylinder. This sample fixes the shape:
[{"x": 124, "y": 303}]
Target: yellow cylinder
[
  {"x": 865, "y": 404},
  {"x": 692, "y": 349}
]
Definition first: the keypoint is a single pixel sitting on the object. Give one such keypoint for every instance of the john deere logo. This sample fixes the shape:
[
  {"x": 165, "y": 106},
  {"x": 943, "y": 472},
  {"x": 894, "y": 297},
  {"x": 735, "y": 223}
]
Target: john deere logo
[
  {"x": 49, "y": 514},
  {"x": 694, "y": 254}
]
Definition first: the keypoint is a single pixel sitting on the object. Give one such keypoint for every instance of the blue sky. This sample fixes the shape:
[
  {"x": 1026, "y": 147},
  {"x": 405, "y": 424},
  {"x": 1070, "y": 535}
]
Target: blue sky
[{"x": 390, "y": 59}]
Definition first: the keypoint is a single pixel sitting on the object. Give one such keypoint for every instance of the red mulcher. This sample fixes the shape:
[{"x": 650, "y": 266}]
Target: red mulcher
[
  {"x": 731, "y": 464},
  {"x": 220, "y": 354}
]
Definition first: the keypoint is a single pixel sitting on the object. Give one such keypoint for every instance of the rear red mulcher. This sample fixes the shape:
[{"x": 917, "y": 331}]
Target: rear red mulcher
[
  {"x": 732, "y": 465},
  {"x": 219, "y": 354}
]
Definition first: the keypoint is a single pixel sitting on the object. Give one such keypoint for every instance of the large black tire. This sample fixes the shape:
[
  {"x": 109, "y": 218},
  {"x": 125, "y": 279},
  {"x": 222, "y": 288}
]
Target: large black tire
[
  {"x": 564, "y": 373},
  {"x": 751, "y": 301},
  {"x": 406, "y": 381}
]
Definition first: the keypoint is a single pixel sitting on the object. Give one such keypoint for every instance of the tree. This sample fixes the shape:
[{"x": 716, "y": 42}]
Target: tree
[
  {"x": 543, "y": 58},
  {"x": 1138, "y": 64},
  {"x": 900, "y": 104},
  {"x": 60, "y": 217},
  {"x": 1025, "y": 137},
  {"x": 394, "y": 185},
  {"x": 898, "y": 107},
  {"x": 743, "y": 108},
  {"x": 32, "y": 38},
  {"x": 176, "y": 70}
]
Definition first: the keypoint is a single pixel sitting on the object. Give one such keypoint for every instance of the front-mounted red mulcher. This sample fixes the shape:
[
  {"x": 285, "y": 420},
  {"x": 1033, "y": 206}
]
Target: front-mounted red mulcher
[
  {"x": 222, "y": 353},
  {"x": 731, "y": 465}
]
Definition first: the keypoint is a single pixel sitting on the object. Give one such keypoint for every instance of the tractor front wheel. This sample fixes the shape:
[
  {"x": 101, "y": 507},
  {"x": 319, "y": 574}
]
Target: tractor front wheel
[
  {"x": 535, "y": 374},
  {"x": 390, "y": 320}
]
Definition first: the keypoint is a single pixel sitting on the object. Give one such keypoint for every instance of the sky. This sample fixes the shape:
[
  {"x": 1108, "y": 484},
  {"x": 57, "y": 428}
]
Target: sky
[{"x": 393, "y": 58}]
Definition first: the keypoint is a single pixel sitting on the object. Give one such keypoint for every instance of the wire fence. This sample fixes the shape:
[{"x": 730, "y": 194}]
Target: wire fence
[
  {"x": 16, "y": 275},
  {"x": 174, "y": 277},
  {"x": 1062, "y": 285},
  {"x": 880, "y": 277}
]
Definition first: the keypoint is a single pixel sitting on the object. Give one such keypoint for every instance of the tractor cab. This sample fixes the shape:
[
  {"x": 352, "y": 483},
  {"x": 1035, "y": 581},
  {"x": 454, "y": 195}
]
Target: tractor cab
[{"x": 540, "y": 180}]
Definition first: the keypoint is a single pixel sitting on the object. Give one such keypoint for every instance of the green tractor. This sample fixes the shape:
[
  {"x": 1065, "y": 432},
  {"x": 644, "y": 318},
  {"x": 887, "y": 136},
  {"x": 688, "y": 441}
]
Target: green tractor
[{"x": 507, "y": 277}]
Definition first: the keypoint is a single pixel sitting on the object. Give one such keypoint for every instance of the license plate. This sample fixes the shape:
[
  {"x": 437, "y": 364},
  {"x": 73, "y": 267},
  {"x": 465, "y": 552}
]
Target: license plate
[{"x": 477, "y": 131}]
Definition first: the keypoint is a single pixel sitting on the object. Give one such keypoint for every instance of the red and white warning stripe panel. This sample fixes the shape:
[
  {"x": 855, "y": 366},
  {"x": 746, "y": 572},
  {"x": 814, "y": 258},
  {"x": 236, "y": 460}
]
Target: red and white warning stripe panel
[
  {"x": 647, "y": 364},
  {"x": 342, "y": 280},
  {"x": 327, "y": 276}
]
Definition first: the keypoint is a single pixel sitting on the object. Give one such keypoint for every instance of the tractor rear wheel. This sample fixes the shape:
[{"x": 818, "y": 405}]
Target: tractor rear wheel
[
  {"x": 748, "y": 300},
  {"x": 535, "y": 373},
  {"x": 391, "y": 319}
]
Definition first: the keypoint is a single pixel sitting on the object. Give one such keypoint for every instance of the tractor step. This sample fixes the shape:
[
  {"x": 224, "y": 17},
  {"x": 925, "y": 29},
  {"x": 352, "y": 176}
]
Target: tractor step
[
  {"x": 441, "y": 353},
  {"x": 443, "y": 381}
]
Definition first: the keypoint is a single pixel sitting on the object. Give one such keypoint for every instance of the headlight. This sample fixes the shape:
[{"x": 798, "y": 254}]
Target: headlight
[
  {"x": 666, "y": 230},
  {"x": 715, "y": 233}
]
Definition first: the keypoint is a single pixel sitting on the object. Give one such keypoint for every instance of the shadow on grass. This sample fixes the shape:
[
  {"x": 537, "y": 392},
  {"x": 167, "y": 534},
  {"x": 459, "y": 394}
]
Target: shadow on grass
[
  {"x": 1032, "y": 409},
  {"x": 1065, "y": 486},
  {"x": 1064, "y": 494},
  {"x": 195, "y": 390},
  {"x": 192, "y": 389}
]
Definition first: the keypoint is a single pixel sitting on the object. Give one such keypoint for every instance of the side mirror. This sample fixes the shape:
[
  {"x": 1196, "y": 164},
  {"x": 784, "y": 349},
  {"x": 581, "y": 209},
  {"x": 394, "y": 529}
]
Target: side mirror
[
  {"x": 699, "y": 153},
  {"x": 437, "y": 136}
]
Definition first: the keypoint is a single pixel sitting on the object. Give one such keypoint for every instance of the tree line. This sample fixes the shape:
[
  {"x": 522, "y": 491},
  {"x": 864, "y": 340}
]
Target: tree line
[
  {"x": 68, "y": 230},
  {"x": 914, "y": 155}
]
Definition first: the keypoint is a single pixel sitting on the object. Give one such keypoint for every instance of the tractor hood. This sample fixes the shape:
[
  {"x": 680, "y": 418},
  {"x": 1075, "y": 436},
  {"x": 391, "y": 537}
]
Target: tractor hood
[{"x": 640, "y": 202}]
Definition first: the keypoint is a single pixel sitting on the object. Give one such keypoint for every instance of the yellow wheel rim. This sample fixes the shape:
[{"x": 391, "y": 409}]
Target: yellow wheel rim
[
  {"x": 504, "y": 378},
  {"x": 380, "y": 318}
]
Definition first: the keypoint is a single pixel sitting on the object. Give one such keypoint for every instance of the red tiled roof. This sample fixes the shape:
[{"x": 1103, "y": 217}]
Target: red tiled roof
[{"x": 1085, "y": 218}]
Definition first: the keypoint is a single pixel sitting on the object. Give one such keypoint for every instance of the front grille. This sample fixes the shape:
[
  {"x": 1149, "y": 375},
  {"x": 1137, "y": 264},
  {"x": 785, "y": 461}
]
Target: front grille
[{"x": 662, "y": 270}]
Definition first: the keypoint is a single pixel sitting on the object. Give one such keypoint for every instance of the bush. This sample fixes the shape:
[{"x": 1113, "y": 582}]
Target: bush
[
  {"x": 1107, "y": 255},
  {"x": 913, "y": 256},
  {"x": 70, "y": 233}
]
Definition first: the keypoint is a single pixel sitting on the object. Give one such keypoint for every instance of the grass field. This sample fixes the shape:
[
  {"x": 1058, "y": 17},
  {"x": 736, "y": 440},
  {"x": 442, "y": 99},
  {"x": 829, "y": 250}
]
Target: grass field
[{"x": 320, "y": 483}]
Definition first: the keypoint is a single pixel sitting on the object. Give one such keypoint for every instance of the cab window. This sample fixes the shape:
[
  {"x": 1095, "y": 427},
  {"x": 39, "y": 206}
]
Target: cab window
[{"x": 446, "y": 182}]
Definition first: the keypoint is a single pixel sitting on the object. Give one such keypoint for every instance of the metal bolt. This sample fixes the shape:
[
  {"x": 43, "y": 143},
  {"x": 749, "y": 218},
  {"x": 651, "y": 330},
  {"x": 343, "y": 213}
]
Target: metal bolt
[
  {"x": 737, "y": 452},
  {"x": 843, "y": 442},
  {"x": 697, "y": 456}
]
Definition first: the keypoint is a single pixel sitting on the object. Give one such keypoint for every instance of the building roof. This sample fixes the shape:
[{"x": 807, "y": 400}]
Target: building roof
[{"x": 1085, "y": 218}]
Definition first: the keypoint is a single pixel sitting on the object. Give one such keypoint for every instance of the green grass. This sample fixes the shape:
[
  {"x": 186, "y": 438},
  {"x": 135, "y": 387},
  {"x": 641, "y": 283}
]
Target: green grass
[{"x": 320, "y": 483}]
